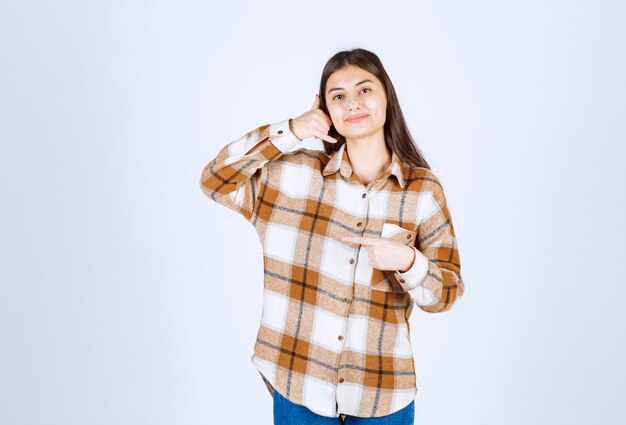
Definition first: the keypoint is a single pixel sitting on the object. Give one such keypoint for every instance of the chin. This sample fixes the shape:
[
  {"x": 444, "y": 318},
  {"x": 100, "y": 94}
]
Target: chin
[{"x": 357, "y": 134}]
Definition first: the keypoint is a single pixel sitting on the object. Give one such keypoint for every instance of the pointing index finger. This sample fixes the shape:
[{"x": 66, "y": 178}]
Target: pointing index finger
[{"x": 367, "y": 241}]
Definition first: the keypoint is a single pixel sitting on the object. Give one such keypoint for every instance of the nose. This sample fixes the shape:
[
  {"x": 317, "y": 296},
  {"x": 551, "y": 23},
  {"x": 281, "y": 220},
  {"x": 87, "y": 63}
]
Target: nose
[{"x": 354, "y": 104}]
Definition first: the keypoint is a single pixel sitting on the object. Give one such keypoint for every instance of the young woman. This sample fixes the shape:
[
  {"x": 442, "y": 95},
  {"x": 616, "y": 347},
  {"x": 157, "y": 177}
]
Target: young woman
[{"x": 353, "y": 237}]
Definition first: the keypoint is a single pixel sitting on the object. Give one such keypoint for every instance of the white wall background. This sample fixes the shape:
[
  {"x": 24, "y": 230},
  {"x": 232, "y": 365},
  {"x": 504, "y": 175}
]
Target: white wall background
[{"x": 128, "y": 297}]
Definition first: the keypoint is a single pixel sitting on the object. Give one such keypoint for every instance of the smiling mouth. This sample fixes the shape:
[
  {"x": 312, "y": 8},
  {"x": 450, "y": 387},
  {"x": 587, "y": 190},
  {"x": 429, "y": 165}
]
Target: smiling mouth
[{"x": 357, "y": 119}]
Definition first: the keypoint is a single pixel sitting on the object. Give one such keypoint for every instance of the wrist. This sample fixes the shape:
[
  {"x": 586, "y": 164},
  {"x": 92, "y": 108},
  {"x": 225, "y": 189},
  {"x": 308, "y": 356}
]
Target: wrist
[
  {"x": 291, "y": 129},
  {"x": 406, "y": 269}
]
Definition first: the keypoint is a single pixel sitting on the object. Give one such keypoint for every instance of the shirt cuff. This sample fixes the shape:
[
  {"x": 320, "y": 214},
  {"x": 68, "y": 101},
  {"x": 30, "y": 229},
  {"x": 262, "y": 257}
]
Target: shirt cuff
[
  {"x": 412, "y": 279},
  {"x": 282, "y": 137},
  {"x": 414, "y": 276}
]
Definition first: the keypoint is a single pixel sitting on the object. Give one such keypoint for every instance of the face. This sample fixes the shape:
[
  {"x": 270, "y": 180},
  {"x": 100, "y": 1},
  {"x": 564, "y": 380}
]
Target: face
[{"x": 352, "y": 91}]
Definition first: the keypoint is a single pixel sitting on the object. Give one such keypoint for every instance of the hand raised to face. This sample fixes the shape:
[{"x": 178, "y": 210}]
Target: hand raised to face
[{"x": 312, "y": 123}]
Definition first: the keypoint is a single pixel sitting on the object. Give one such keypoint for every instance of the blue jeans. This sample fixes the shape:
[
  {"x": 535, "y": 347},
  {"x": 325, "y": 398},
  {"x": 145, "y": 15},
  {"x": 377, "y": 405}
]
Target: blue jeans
[{"x": 286, "y": 412}]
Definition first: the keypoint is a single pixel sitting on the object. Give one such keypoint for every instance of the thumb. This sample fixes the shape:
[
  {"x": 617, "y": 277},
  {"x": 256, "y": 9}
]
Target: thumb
[{"x": 316, "y": 104}]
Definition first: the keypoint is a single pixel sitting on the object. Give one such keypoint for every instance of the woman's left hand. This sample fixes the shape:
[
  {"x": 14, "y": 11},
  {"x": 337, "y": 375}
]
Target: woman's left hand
[{"x": 383, "y": 253}]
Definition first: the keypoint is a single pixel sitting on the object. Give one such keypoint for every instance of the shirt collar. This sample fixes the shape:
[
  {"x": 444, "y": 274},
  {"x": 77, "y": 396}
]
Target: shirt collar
[{"x": 338, "y": 162}]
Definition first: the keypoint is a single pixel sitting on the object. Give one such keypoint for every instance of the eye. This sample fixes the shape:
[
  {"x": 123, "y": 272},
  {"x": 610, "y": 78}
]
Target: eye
[{"x": 364, "y": 88}]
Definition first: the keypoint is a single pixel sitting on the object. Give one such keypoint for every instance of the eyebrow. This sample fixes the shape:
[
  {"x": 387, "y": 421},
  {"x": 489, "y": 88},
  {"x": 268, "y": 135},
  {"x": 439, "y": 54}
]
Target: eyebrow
[{"x": 367, "y": 80}]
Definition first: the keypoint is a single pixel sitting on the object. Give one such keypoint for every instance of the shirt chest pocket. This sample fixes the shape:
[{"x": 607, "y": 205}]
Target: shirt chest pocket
[
  {"x": 384, "y": 280},
  {"x": 397, "y": 233}
]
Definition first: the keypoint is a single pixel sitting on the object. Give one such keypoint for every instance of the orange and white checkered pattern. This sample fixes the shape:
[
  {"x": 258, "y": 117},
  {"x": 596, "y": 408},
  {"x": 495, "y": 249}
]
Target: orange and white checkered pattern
[{"x": 334, "y": 332}]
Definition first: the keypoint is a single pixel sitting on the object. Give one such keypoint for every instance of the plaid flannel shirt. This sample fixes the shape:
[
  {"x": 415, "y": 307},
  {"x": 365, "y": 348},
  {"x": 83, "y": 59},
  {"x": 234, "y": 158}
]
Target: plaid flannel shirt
[{"x": 334, "y": 333}]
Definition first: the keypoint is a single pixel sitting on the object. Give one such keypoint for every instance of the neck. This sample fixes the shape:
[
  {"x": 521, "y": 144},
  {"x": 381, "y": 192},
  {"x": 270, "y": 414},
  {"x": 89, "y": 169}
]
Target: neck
[{"x": 369, "y": 156}]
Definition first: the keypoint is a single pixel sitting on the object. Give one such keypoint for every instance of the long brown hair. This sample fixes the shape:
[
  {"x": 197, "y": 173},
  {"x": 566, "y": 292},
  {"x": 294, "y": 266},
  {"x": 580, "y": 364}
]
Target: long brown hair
[{"x": 397, "y": 135}]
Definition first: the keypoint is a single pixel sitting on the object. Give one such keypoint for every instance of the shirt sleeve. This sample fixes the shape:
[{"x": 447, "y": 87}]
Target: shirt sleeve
[
  {"x": 434, "y": 281},
  {"x": 231, "y": 178}
]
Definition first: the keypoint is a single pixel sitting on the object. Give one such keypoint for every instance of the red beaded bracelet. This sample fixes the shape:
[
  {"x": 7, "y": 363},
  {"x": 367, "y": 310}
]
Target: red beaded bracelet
[{"x": 411, "y": 265}]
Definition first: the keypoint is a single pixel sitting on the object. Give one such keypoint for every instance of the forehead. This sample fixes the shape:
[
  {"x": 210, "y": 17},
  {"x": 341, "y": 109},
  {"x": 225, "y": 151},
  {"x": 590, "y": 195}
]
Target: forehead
[{"x": 348, "y": 76}]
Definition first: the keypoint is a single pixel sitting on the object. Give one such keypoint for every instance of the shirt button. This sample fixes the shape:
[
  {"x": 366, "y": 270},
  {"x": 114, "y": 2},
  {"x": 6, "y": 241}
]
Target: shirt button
[
  {"x": 364, "y": 195},
  {"x": 359, "y": 224},
  {"x": 340, "y": 380},
  {"x": 351, "y": 261},
  {"x": 280, "y": 132},
  {"x": 340, "y": 337},
  {"x": 401, "y": 280},
  {"x": 408, "y": 236}
]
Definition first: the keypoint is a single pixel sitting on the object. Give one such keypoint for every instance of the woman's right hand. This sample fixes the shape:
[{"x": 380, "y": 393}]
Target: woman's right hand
[{"x": 312, "y": 123}]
